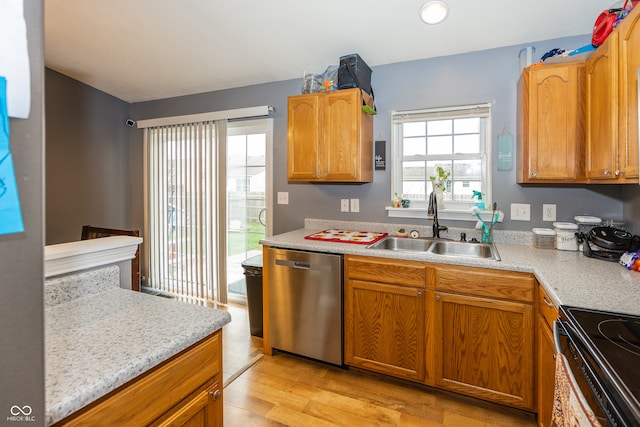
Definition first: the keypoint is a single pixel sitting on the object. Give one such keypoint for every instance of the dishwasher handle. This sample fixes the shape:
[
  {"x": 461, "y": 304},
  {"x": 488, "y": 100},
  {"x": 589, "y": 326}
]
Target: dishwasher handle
[{"x": 294, "y": 264}]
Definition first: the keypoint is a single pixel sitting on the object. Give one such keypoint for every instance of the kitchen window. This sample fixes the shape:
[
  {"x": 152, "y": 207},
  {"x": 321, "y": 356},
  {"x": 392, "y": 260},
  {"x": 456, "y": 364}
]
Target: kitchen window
[{"x": 458, "y": 139}]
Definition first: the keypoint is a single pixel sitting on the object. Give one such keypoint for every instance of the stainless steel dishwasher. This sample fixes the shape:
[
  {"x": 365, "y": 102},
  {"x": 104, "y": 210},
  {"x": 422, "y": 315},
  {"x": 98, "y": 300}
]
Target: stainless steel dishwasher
[{"x": 305, "y": 303}]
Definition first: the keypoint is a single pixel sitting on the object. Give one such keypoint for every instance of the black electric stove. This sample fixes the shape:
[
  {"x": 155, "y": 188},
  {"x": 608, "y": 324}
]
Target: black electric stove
[{"x": 606, "y": 347}]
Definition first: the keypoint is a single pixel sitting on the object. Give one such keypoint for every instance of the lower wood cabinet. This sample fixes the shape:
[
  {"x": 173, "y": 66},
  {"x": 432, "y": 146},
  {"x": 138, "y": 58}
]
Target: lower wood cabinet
[
  {"x": 204, "y": 409},
  {"x": 186, "y": 390},
  {"x": 548, "y": 313},
  {"x": 463, "y": 329},
  {"x": 484, "y": 329},
  {"x": 384, "y": 311}
]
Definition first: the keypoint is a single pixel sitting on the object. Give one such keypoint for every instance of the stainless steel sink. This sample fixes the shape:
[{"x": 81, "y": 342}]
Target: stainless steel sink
[
  {"x": 465, "y": 249},
  {"x": 439, "y": 247},
  {"x": 402, "y": 244}
]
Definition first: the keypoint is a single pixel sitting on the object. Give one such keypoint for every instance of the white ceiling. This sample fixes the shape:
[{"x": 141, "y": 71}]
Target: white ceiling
[{"x": 139, "y": 50}]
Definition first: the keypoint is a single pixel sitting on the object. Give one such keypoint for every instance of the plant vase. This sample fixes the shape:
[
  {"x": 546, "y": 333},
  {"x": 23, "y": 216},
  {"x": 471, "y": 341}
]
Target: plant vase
[{"x": 439, "y": 197}]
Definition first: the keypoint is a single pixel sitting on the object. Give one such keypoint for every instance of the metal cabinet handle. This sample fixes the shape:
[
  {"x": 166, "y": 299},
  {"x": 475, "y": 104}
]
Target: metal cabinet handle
[
  {"x": 606, "y": 172},
  {"x": 437, "y": 297},
  {"x": 618, "y": 172},
  {"x": 215, "y": 394},
  {"x": 534, "y": 174},
  {"x": 547, "y": 302}
]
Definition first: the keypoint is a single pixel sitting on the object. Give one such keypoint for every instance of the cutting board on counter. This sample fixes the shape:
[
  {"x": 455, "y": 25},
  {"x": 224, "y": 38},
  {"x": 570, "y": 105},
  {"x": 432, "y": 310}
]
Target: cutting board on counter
[{"x": 347, "y": 236}]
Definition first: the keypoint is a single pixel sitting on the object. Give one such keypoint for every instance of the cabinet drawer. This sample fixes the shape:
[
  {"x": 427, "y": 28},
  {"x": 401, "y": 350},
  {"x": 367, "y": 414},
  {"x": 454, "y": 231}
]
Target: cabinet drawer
[
  {"x": 383, "y": 270},
  {"x": 144, "y": 399},
  {"x": 487, "y": 283},
  {"x": 546, "y": 308}
]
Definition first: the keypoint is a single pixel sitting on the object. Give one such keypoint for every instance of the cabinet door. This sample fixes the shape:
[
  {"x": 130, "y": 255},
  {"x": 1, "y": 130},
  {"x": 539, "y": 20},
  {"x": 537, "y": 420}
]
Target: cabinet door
[
  {"x": 602, "y": 111},
  {"x": 547, "y": 314},
  {"x": 629, "y": 50},
  {"x": 204, "y": 410},
  {"x": 384, "y": 328},
  {"x": 487, "y": 348},
  {"x": 303, "y": 137},
  {"x": 553, "y": 123},
  {"x": 546, "y": 373},
  {"x": 340, "y": 154}
]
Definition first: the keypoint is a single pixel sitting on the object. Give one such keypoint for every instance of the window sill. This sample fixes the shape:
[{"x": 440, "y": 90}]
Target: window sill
[{"x": 445, "y": 214}]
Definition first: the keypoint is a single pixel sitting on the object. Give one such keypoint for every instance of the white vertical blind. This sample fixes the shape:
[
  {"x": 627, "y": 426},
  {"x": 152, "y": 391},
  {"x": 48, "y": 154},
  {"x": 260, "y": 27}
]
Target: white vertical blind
[{"x": 181, "y": 210}]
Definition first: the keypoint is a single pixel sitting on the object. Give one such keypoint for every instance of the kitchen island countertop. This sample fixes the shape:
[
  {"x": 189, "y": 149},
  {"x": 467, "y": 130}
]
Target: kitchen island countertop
[
  {"x": 98, "y": 342},
  {"x": 568, "y": 277}
]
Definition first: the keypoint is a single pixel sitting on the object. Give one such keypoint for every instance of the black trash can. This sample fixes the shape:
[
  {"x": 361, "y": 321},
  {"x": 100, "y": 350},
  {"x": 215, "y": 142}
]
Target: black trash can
[{"x": 253, "y": 278}]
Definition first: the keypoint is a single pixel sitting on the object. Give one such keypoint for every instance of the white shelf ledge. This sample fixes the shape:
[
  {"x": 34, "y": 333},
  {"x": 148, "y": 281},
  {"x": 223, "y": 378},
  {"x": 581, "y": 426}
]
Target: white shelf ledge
[
  {"x": 445, "y": 214},
  {"x": 84, "y": 254}
]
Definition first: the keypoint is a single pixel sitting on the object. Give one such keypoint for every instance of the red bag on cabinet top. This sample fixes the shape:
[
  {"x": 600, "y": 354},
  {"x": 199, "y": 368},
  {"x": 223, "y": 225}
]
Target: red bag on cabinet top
[{"x": 607, "y": 21}]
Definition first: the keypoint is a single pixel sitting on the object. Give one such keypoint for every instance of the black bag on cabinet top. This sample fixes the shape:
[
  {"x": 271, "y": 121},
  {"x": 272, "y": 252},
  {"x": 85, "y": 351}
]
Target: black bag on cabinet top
[{"x": 354, "y": 72}]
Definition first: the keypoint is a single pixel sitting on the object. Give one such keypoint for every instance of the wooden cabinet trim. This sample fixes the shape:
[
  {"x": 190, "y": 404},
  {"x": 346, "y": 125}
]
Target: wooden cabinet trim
[
  {"x": 499, "y": 284},
  {"x": 546, "y": 308},
  {"x": 386, "y": 270}
]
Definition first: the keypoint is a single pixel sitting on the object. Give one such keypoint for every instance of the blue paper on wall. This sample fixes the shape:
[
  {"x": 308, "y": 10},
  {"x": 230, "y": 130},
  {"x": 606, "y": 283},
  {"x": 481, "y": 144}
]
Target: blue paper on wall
[
  {"x": 505, "y": 150},
  {"x": 10, "y": 212}
]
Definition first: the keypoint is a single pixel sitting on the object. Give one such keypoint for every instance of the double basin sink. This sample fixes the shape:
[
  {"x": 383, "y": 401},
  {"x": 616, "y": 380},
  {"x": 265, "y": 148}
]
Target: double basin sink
[{"x": 442, "y": 247}]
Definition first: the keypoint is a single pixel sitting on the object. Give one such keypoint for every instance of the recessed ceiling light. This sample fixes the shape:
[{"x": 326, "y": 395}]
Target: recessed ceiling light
[{"x": 433, "y": 12}]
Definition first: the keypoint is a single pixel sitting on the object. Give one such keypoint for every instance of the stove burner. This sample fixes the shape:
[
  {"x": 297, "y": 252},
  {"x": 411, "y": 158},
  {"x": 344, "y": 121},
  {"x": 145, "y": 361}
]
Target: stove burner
[
  {"x": 610, "y": 345},
  {"x": 622, "y": 333}
]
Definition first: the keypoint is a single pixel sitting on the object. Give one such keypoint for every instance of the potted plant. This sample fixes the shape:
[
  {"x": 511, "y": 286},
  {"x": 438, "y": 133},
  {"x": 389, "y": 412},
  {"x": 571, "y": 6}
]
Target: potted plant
[{"x": 439, "y": 183}]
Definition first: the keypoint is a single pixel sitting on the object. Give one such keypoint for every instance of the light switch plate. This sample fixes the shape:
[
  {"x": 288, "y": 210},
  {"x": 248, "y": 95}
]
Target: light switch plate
[
  {"x": 520, "y": 212},
  {"x": 344, "y": 205},
  {"x": 355, "y": 205},
  {"x": 283, "y": 198}
]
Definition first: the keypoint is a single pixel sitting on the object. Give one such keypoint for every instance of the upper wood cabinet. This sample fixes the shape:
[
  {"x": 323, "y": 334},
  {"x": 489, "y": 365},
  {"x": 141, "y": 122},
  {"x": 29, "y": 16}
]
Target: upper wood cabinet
[
  {"x": 612, "y": 105},
  {"x": 551, "y": 124},
  {"x": 330, "y": 138}
]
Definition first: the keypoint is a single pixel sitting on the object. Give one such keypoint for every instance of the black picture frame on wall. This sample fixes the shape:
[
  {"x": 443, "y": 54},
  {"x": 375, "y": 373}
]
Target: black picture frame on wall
[{"x": 380, "y": 155}]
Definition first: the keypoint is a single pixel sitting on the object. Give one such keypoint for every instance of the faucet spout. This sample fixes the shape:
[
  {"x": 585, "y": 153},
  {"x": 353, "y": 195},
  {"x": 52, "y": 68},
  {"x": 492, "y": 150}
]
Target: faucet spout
[{"x": 433, "y": 210}]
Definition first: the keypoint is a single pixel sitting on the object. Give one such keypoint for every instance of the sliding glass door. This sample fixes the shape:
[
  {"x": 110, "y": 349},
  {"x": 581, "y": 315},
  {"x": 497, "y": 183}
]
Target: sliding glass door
[{"x": 248, "y": 195}]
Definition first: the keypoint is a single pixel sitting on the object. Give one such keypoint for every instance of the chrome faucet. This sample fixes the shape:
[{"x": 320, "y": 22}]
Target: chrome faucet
[{"x": 432, "y": 210}]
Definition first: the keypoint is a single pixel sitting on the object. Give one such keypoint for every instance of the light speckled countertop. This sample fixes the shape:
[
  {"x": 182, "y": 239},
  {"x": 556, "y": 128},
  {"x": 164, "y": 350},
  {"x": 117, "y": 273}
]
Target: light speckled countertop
[
  {"x": 569, "y": 277},
  {"x": 100, "y": 340}
]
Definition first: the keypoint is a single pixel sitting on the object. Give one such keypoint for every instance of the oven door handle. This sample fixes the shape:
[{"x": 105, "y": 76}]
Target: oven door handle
[{"x": 558, "y": 330}]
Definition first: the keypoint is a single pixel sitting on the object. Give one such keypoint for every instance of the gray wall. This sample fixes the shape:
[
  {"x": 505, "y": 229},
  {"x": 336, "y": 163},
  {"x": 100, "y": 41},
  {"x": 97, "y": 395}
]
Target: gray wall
[
  {"x": 632, "y": 207},
  {"x": 467, "y": 78},
  {"x": 461, "y": 79},
  {"x": 21, "y": 266},
  {"x": 88, "y": 162}
]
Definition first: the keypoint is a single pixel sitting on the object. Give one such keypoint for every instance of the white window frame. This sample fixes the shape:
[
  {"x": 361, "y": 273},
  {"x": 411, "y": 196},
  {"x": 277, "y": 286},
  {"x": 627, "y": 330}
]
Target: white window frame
[{"x": 454, "y": 210}]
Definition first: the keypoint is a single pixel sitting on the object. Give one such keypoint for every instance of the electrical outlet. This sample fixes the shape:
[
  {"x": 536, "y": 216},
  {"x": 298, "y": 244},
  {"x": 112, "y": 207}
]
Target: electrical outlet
[
  {"x": 355, "y": 205},
  {"x": 548, "y": 212},
  {"x": 520, "y": 212},
  {"x": 344, "y": 205},
  {"x": 283, "y": 198}
]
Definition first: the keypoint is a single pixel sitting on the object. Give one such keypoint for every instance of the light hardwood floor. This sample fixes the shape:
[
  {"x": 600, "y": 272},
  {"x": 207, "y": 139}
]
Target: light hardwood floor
[
  {"x": 239, "y": 348},
  {"x": 285, "y": 390}
]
